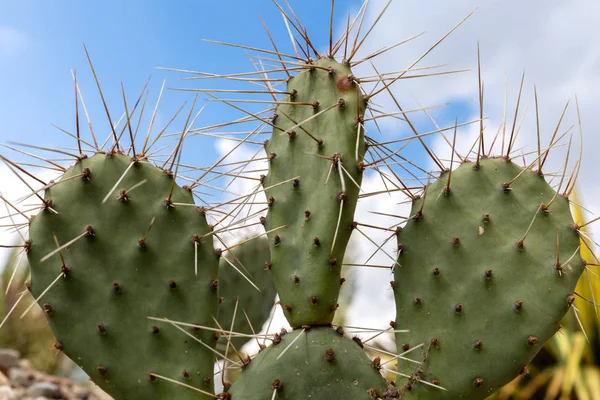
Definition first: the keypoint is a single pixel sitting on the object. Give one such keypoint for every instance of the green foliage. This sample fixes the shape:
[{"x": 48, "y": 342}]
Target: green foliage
[
  {"x": 134, "y": 259},
  {"x": 320, "y": 364},
  {"x": 321, "y": 175},
  {"x": 249, "y": 259},
  {"x": 31, "y": 336},
  {"x": 479, "y": 284}
]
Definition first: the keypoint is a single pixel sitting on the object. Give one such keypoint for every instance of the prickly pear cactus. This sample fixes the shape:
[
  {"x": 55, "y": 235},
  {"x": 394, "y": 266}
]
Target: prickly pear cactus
[
  {"x": 488, "y": 270},
  {"x": 120, "y": 262},
  {"x": 250, "y": 259},
  {"x": 319, "y": 364},
  {"x": 312, "y": 187}
]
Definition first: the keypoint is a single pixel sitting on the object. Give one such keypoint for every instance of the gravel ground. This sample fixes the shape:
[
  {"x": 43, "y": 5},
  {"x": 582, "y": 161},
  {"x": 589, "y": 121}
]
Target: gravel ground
[{"x": 19, "y": 381}]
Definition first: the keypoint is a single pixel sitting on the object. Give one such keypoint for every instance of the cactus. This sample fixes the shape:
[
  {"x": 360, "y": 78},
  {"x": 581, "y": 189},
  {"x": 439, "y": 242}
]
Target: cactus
[
  {"x": 120, "y": 255},
  {"x": 489, "y": 262},
  {"x": 100, "y": 269},
  {"x": 318, "y": 363},
  {"x": 316, "y": 146},
  {"x": 249, "y": 258}
]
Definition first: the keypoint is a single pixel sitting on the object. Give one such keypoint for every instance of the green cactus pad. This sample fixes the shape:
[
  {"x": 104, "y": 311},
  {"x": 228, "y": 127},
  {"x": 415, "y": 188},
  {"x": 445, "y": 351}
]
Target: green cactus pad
[
  {"x": 305, "y": 269},
  {"x": 249, "y": 258},
  {"x": 320, "y": 364},
  {"x": 98, "y": 311},
  {"x": 480, "y": 295}
]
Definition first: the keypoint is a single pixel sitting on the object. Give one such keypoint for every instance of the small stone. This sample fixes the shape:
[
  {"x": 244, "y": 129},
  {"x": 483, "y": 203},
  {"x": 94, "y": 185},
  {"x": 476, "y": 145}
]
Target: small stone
[
  {"x": 9, "y": 358},
  {"x": 3, "y": 380},
  {"x": 25, "y": 364},
  {"x": 6, "y": 393},
  {"x": 18, "y": 377},
  {"x": 45, "y": 389}
]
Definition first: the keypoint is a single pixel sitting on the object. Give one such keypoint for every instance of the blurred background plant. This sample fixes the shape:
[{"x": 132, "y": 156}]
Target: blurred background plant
[{"x": 31, "y": 335}]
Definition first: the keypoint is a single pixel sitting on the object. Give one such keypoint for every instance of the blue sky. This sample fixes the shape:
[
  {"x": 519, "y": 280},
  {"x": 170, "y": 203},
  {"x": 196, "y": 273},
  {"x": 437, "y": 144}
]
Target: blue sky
[{"x": 127, "y": 40}]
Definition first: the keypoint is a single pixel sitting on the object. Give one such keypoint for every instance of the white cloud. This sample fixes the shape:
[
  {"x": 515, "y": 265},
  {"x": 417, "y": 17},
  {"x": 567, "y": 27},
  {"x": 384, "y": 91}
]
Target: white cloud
[{"x": 556, "y": 44}]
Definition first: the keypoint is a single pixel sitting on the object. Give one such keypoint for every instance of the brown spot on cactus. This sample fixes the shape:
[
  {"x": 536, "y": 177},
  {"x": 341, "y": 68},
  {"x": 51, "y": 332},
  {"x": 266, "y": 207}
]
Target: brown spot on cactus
[
  {"x": 329, "y": 355},
  {"x": 345, "y": 83},
  {"x": 376, "y": 363},
  {"x": 518, "y": 305},
  {"x": 276, "y": 385},
  {"x": 532, "y": 340},
  {"x": 102, "y": 329},
  {"x": 358, "y": 341}
]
